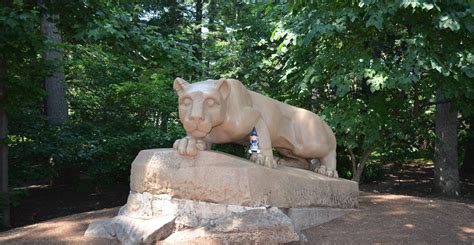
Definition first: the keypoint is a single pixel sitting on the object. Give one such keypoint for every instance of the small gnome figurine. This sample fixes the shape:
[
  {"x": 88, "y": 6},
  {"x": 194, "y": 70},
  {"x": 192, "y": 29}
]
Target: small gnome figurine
[{"x": 254, "y": 145}]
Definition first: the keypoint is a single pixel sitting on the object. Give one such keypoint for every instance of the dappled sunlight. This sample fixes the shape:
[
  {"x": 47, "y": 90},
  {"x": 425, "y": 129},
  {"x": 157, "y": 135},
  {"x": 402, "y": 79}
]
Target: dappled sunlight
[
  {"x": 466, "y": 233},
  {"x": 396, "y": 212},
  {"x": 410, "y": 226},
  {"x": 391, "y": 198},
  {"x": 354, "y": 217},
  {"x": 469, "y": 230}
]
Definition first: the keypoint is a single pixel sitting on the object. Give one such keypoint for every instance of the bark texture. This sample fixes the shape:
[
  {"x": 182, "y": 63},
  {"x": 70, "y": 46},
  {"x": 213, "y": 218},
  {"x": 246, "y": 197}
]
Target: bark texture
[
  {"x": 467, "y": 169},
  {"x": 3, "y": 145},
  {"x": 198, "y": 30},
  {"x": 446, "y": 148},
  {"x": 358, "y": 167},
  {"x": 56, "y": 105}
]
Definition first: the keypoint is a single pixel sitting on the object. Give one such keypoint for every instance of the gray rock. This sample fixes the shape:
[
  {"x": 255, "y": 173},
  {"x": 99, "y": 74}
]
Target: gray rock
[
  {"x": 305, "y": 218},
  {"x": 131, "y": 230},
  {"x": 189, "y": 213},
  {"x": 258, "y": 226}
]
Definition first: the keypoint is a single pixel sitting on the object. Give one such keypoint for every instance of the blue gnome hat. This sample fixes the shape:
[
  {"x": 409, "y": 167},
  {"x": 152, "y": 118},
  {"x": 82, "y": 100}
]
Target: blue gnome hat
[{"x": 254, "y": 132}]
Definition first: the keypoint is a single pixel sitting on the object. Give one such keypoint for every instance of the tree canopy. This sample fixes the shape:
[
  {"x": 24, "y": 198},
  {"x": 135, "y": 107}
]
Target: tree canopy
[{"x": 377, "y": 71}]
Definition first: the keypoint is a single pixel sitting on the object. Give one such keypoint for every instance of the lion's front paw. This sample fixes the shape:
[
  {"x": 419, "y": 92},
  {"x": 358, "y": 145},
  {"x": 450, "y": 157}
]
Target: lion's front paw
[
  {"x": 326, "y": 171},
  {"x": 267, "y": 161},
  {"x": 189, "y": 146}
]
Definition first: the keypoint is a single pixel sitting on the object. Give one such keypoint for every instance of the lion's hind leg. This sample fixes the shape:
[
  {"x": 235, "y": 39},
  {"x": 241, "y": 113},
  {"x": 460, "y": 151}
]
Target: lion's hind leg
[
  {"x": 290, "y": 160},
  {"x": 327, "y": 165}
]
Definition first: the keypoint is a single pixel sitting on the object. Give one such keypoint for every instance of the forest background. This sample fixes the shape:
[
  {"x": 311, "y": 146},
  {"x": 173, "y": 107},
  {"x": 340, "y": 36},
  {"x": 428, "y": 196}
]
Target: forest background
[{"x": 85, "y": 85}]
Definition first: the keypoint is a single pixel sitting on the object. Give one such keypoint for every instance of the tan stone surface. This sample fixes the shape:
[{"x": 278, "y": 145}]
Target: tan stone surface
[
  {"x": 225, "y": 111},
  {"x": 225, "y": 179}
]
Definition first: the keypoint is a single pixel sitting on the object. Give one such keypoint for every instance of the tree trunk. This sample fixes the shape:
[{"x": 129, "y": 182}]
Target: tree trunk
[
  {"x": 358, "y": 168},
  {"x": 198, "y": 30},
  {"x": 3, "y": 135},
  {"x": 467, "y": 168},
  {"x": 56, "y": 105},
  {"x": 3, "y": 145},
  {"x": 446, "y": 172}
]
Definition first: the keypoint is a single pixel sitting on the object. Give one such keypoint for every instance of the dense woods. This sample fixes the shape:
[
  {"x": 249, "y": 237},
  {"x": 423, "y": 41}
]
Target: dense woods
[{"x": 85, "y": 85}]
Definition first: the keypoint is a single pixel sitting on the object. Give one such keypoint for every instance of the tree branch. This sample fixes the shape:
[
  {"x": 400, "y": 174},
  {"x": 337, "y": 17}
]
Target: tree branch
[
  {"x": 353, "y": 160},
  {"x": 360, "y": 167}
]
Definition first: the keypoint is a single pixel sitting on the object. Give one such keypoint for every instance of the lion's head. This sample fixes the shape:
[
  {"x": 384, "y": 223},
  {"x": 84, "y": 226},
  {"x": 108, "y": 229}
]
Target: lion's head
[{"x": 201, "y": 105}]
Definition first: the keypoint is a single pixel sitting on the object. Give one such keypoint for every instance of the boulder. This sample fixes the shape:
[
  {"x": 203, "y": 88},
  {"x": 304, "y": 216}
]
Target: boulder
[
  {"x": 216, "y": 198},
  {"x": 225, "y": 179},
  {"x": 259, "y": 226},
  {"x": 130, "y": 230},
  {"x": 188, "y": 213}
]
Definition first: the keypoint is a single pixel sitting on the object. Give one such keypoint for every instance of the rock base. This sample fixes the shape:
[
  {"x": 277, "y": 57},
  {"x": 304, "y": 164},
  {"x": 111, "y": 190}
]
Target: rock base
[
  {"x": 177, "y": 221},
  {"x": 220, "y": 199},
  {"x": 221, "y": 178}
]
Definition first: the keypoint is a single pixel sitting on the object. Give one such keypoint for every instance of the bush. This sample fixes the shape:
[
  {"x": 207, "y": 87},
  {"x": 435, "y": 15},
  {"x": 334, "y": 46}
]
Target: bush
[{"x": 82, "y": 153}]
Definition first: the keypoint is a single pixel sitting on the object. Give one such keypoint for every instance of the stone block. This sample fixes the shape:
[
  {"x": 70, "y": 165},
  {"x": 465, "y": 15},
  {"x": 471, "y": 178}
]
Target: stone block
[
  {"x": 131, "y": 230},
  {"x": 259, "y": 226},
  {"x": 305, "y": 218},
  {"x": 188, "y": 213},
  {"x": 221, "y": 178}
]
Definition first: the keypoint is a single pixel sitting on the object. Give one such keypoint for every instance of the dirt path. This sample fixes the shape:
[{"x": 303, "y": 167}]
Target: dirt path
[
  {"x": 382, "y": 219},
  {"x": 415, "y": 179},
  {"x": 396, "y": 219}
]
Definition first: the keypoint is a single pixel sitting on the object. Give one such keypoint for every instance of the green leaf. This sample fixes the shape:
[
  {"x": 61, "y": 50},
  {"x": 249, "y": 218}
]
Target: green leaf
[
  {"x": 375, "y": 20},
  {"x": 410, "y": 3},
  {"x": 469, "y": 71},
  {"x": 309, "y": 37},
  {"x": 427, "y": 6},
  {"x": 448, "y": 22}
]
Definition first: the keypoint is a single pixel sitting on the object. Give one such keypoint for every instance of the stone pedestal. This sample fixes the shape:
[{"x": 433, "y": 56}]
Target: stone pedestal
[
  {"x": 221, "y": 178},
  {"x": 218, "y": 198}
]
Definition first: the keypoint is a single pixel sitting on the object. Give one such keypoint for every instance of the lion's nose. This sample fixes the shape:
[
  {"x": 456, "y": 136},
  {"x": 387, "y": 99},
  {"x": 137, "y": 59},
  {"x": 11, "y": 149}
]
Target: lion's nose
[
  {"x": 196, "y": 118},
  {"x": 196, "y": 114}
]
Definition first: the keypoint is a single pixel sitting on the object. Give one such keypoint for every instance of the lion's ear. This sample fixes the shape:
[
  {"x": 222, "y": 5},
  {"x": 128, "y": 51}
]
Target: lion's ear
[
  {"x": 179, "y": 85},
  {"x": 223, "y": 87}
]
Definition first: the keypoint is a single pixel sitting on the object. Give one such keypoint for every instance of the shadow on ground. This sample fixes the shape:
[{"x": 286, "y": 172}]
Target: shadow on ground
[{"x": 382, "y": 219}]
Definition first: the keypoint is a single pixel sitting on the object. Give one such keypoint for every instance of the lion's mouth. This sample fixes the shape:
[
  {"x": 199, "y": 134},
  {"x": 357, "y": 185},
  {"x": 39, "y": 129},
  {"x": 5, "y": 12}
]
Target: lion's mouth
[
  {"x": 198, "y": 130},
  {"x": 198, "y": 134}
]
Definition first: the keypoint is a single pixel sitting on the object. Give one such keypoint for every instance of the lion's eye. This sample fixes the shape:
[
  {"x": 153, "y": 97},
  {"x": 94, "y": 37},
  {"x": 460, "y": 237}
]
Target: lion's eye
[
  {"x": 186, "y": 101},
  {"x": 210, "y": 102}
]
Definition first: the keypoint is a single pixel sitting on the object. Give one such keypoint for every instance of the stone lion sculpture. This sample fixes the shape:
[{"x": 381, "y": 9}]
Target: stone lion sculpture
[{"x": 224, "y": 111}]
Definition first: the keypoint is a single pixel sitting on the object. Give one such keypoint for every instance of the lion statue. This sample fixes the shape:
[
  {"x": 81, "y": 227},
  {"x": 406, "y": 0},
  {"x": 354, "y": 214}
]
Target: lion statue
[{"x": 224, "y": 111}]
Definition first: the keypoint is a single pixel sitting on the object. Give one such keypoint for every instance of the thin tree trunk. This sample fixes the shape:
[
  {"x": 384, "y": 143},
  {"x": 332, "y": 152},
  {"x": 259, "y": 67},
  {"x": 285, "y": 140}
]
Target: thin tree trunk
[
  {"x": 3, "y": 135},
  {"x": 446, "y": 148},
  {"x": 56, "y": 105},
  {"x": 353, "y": 161},
  {"x": 467, "y": 169},
  {"x": 3, "y": 145},
  {"x": 357, "y": 175},
  {"x": 198, "y": 30}
]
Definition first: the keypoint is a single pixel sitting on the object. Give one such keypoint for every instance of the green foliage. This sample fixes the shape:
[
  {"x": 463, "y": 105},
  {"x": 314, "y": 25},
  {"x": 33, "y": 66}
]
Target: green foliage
[
  {"x": 119, "y": 73},
  {"x": 369, "y": 68}
]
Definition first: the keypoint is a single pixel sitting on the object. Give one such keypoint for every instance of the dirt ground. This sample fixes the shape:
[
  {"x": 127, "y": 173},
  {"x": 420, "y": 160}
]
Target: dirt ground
[
  {"x": 382, "y": 219},
  {"x": 416, "y": 179},
  {"x": 397, "y": 219},
  {"x": 44, "y": 203},
  {"x": 400, "y": 209}
]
